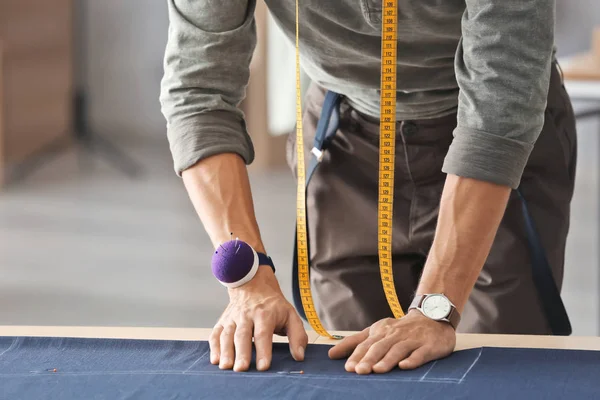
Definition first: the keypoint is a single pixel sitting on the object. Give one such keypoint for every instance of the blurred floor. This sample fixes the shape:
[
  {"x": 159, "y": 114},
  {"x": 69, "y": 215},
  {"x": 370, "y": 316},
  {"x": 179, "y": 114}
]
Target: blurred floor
[{"x": 94, "y": 248}]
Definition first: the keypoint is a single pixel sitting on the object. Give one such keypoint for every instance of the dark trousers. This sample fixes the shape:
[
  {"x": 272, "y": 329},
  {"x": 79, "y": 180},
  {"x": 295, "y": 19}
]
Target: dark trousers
[{"x": 342, "y": 218}]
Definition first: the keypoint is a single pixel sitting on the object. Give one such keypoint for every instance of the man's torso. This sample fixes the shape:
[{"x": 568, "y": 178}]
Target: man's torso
[{"x": 341, "y": 50}]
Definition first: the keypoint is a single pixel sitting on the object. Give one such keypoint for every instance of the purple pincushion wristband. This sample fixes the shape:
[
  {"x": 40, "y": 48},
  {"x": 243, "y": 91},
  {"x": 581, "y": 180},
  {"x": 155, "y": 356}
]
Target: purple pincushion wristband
[{"x": 234, "y": 263}]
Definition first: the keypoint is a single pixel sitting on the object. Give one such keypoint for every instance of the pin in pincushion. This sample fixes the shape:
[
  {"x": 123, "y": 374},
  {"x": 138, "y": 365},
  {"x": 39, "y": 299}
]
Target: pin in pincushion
[{"x": 234, "y": 263}]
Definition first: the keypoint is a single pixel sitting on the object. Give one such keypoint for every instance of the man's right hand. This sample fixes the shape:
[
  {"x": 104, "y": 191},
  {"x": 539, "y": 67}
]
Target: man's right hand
[{"x": 257, "y": 309}]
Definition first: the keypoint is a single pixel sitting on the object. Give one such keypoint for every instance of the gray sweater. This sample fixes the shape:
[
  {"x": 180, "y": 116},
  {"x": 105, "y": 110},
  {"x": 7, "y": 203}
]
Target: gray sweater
[{"x": 487, "y": 60}]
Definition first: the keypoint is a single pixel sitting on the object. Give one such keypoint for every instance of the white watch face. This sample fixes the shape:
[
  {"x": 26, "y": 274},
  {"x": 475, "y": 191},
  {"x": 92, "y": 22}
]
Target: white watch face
[{"x": 436, "y": 306}]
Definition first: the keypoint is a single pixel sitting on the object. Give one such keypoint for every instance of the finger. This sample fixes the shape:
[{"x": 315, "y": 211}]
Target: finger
[
  {"x": 397, "y": 353},
  {"x": 243, "y": 346},
  {"x": 376, "y": 352},
  {"x": 297, "y": 336},
  {"x": 227, "y": 347},
  {"x": 359, "y": 352},
  {"x": 347, "y": 345},
  {"x": 214, "y": 343},
  {"x": 417, "y": 358},
  {"x": 263, "y": 341}
]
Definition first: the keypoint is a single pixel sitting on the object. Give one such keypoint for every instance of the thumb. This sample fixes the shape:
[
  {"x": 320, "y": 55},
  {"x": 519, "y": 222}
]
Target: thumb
[{"x": 297, "y": 336}]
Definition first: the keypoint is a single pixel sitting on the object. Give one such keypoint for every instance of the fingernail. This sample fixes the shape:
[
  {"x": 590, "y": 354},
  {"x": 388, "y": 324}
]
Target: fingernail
[
  {"x": 363, "y": 366},
  {"x": 225, "y": 362},
  {"x": 262, "y": 364},
  {"x": 301, "y": 352},
  {"x": 350, "y": 365},
  {"x": 239, "y": 364}
]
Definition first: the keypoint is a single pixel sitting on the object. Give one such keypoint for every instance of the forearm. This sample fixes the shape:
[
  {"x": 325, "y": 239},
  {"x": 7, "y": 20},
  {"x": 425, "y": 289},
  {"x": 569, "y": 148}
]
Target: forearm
[
  {"x": 469, "y": 216},
  {"x": 219, "y": 189}
]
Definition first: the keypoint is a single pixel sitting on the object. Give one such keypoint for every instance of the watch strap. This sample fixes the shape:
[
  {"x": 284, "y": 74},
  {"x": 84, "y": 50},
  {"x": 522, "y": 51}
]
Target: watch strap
[
  {"x": 454, "y": 317},
  {"x": 264, "y": 259},
  {"x": 416, "y": 301}
]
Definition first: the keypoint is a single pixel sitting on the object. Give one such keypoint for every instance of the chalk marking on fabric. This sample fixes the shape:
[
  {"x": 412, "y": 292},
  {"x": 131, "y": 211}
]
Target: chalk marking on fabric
[
  {"x": 471, "y": 367},
  {"x": 239, "y": 375},
  {"x": 430, "y": 368},
  {"x": 318, "y": 385},
  {"x": 197, "y": 361},
  {"x": 11, "y": 347}
]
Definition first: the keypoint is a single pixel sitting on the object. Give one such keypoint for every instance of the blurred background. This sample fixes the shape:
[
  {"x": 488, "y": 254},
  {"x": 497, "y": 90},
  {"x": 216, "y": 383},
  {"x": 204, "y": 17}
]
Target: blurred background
[{"x": 96, "y": 228}]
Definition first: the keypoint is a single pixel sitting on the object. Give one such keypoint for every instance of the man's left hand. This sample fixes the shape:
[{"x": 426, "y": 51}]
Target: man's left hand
[{"x": 408, "y": 342}]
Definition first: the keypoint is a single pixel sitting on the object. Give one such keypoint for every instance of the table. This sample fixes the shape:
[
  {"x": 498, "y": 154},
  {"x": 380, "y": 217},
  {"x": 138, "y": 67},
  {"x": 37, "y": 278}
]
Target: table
[{"x": 131, "y": 363}]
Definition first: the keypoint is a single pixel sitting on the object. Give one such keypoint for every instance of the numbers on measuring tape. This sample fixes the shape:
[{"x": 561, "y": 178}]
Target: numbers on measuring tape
[
  {"x": 303, "y": 272},
  {"x": 387, "y": 151},
  {"x": 386, "y": 172}
]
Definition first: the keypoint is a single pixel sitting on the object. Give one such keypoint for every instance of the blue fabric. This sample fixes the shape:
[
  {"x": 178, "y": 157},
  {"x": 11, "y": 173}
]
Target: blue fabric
[{"x": 150, "y": 369}]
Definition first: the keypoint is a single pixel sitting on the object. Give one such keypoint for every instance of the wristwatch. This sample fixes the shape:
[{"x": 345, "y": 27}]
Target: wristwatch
[{"x": 437, "y": 307}]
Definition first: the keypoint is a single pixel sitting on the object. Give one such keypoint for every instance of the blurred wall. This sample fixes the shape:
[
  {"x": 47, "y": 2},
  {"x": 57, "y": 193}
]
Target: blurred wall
[
  {"x": 575, "y": 20},
  {"x": 126, "y": 41}
]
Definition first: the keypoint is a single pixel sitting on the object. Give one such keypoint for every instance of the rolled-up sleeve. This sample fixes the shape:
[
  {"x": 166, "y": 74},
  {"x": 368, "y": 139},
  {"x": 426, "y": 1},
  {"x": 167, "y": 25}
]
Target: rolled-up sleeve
[
  {"x": 502, "y": 68},
  {"x": 206, "y": 72}
]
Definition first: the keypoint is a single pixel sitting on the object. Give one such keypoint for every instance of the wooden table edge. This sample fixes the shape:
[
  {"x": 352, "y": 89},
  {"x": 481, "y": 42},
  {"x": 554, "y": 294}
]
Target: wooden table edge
[{"x": 464, "y": 341}]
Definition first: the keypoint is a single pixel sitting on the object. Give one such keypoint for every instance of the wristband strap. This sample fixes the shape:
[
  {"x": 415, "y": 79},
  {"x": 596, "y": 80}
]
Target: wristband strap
[{"x": 264, "y": 259}]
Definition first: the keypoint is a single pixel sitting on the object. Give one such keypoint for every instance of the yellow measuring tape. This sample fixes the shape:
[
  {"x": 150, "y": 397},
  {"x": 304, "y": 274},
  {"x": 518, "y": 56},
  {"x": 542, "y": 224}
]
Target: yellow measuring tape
[
  {"x": 387, "y": 148},
  {"x": 387, "y": 151}
]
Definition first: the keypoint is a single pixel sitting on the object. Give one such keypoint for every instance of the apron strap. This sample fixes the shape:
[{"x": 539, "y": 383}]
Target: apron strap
[
  {"x": 326, "y": 129},
  {"x": 553, "y": 306}
]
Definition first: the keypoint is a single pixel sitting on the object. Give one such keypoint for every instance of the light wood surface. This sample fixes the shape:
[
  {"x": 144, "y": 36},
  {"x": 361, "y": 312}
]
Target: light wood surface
[
  {"x": 464, "y": 341},
  {"x": 586, "y": 66},
  {"x": 583, "y": 67}
]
